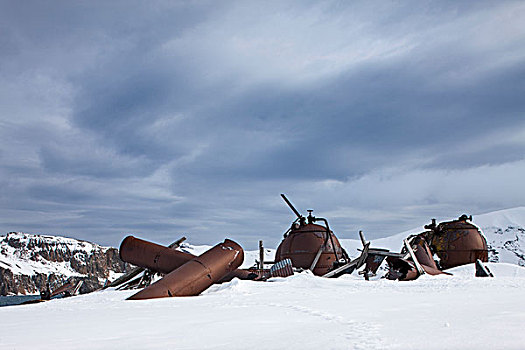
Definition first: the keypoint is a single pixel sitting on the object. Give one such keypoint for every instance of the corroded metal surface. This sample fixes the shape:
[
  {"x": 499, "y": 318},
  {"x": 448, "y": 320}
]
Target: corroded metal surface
[
  {"x": 311, "y": 246},
  {"x": 423, "y": 253},
  {"x": 196, "y": 275},
  {"x": 405, "y": 270},
  {"x": 457, "y": 242},
  {"x": 373, "y": 261},
  {"x": 302, "y": 245},
  {"x": 154, "y": 257},
  {"x": 67, "y": 287},
  {"x": 282, "y": 268},
  {"x": 420, "y": 262},
  {"x": 161, "y": 259}
]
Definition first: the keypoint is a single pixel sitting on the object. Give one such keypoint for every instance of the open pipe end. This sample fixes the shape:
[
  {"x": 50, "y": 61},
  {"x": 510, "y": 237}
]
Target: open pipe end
[{"x": 125, "y": 242}]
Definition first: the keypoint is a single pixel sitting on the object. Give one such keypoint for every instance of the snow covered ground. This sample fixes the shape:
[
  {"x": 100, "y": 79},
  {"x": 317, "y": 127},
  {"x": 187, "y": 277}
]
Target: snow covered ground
[
  {"x": 303, "y": 311},
  {"x": 300, "y": 312}
]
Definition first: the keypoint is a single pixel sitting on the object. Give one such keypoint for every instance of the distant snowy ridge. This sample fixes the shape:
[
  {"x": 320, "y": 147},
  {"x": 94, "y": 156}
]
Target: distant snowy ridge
[
  {"x": 505, "y": 233},
  {"x": 27, "y": 261},
  {"x": 503, "y": 229}
]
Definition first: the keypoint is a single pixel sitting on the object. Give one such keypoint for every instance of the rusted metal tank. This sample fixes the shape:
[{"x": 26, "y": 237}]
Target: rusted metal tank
[
  {"x": 456, "y": 242},
  {"x": 197, "y": 274},
  {"x": 303, "y": 244},
  {"x": 161, "y": 259},
  {"x": 154, "y": 257},
  {"x": 311, "y": 246}
]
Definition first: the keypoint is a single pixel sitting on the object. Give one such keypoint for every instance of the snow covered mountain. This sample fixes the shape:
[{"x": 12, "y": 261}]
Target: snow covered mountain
[
  {"x": 505, "y": 233},
  {"x": 28, "y": 261},
  {"x": 503, "y": 229}
]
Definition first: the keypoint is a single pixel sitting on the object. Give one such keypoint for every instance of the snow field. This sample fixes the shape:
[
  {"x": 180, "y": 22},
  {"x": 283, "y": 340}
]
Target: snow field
[{"x": 300, "y": 312}]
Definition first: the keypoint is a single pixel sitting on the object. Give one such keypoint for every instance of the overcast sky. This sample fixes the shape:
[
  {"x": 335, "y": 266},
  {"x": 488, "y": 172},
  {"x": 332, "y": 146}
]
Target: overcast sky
[{"x": 164, "y": 119}]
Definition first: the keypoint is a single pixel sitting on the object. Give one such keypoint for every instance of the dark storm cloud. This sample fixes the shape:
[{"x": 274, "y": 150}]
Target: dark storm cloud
[
  {"x": 327, "y": 129},
  {"x": 192, "y": 117},
  {"x": 343, "y": 114}
]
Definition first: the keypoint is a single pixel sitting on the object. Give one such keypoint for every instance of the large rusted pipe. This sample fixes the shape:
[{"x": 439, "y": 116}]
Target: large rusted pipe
[
  {"x": 198, "y": 274},
  {"x": 154, "y": 257},
  {"x": 161, "y": 259}
]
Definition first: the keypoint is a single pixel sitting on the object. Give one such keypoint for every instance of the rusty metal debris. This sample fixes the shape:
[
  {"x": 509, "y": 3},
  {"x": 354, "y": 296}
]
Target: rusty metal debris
[
  {"x": 180, "y": 267},
  {"x": 482, "y": 270},
  {"x": 162, "y": 260},
  {"x": 151, "y": 256},
  {"x": 306, "y": 245},
  {"x": 415, "y": 260},
  {"x": 197, "y": 274},
  {"x": 123, "y": 280},
  {"x": 283, "y": 268},
  {"x": 454, "y": 243},
  {"x": 311, "y": 246},
  {"x": 68, "y": 289}
]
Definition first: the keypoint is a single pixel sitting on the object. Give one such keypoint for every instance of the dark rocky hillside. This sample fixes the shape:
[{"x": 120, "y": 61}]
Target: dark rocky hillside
[{"x": 28, "y": 261}]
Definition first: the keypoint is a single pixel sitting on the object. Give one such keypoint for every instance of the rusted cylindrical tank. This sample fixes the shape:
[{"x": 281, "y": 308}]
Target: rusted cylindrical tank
[
  {"x": 198, "y": 274},
  {"x": 152, "y": 256},
  {"x": 457, "y": 242},
  {"x": 302, "y": 245},
  {"x": 161, "y": 259}
]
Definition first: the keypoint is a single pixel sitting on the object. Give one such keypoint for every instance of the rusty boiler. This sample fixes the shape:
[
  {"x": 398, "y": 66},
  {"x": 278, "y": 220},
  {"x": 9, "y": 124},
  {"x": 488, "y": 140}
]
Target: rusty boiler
[
  {"x": 197, "y": 274},
  {"x": 456, "y": 242},
  {"x": 311, "y": 246}
]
